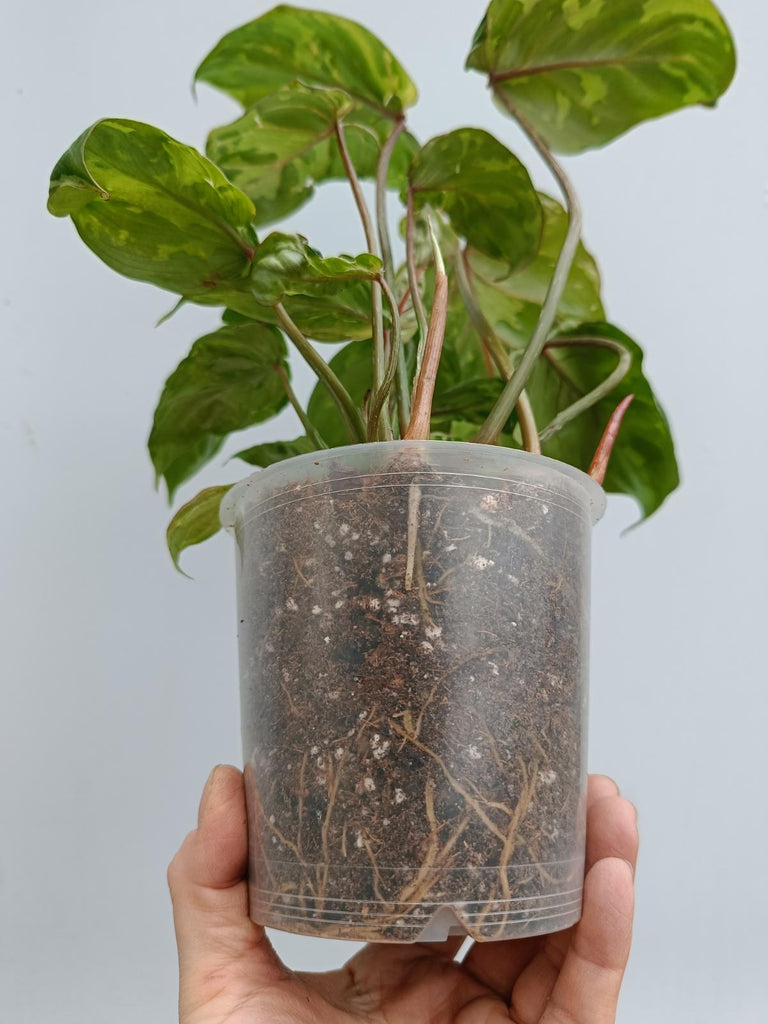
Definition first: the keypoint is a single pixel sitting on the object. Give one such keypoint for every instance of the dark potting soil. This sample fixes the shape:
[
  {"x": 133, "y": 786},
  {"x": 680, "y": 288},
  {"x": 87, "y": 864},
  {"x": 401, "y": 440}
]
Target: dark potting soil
[{"x": 413, "y": 648}]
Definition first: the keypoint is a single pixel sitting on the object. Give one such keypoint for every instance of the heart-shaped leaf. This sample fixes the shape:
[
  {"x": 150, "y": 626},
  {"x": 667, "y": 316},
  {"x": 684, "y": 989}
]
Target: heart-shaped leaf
[
  {"x": 353, "y": 366},
  {"x": 485, "y": 191},
  {"x": 285, "y": 144},
  {"x": 195, "y": 522},
  {"x": 154, "y": 209},
  {"x": 643, "y": 463},
  {"x": 343, "y": 316},
  {"x": 329, "y": 298},
  {"x": 290, "y": 43},
  {"x": 585, "y": 71},
  {"x": 268, "y": 454},
  {"x": 286, "y": 265},
  {"x": 226, "y": 383}
]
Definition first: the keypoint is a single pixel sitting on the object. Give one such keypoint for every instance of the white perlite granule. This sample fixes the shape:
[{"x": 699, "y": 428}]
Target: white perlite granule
[{"x": 379, "y": 746}]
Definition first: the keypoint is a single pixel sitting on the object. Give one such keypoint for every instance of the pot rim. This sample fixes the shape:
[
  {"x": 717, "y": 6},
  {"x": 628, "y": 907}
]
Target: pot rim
[{"x": 595, "y": 494}]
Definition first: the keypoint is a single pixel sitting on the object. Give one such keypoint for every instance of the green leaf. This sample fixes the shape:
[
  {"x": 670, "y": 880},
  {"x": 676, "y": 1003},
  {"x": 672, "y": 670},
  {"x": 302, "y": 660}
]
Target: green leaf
[
  {"x": 583, "y": 72},
  {"x": 343, "y": 316},
  {"x": 353, "y": 366},
  {"x": 268, "y": 454},
  {"x": 461, "y": 430},
  {"x": 195, "y": 522},
  {"x": 226, "y": 383},
  {"x": 290, "y": 43},
  {"x": 286, "y": 265},
  {"x": 154, "y": 209},
  {"x": 512, "y": 301},
  {"x": 643, "y": 464},
  {"x": 285, "y": 144},
  {"x": 329, "y": 298},
  {"x": 484, "y": 189},
  {"x": 468, "y": 402}
]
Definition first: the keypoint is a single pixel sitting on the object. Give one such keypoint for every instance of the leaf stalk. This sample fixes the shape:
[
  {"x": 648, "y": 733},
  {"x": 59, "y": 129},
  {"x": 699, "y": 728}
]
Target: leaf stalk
[
  {"x": 375, "y": 418},
  {"x": 511, "y": 394},
  {"x": 377, "y": 312},
  {"x": 349, "y": 411},
  {"x": 413, "y": 281},
  {"x": 597, "y": 394},
  {"x": 312, "y": 433},
  {"x": 498, "y": 354},
  {"x": 382, "y": 175},
  {"x": 599, "y": 468},
  {"x": 357, "y": 191},
  {"x": 424, "y": 387}
]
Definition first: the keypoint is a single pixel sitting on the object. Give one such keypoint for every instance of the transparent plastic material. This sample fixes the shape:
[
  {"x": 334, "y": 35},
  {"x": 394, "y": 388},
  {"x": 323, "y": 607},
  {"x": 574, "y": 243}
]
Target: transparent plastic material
[{"x": 413, "y": 647}]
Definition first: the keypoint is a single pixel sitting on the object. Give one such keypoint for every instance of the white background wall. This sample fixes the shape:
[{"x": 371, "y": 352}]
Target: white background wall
[{"x": 119, "y": 678}]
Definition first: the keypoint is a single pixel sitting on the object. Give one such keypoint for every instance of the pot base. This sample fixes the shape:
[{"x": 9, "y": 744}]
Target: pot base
[{"x": 426, "y": 921}]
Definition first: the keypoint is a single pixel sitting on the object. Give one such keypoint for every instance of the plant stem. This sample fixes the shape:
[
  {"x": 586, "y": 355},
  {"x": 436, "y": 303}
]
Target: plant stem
[
  {"x": 527, "y": 420},
  {"x": 403, "y": 386},
  {"x": 424, "y": 389},
  {"x": 350, "y": 413},
  {"x": 413, "y": 283},
  {"x": 379, "y": 361},
  {"x": 598, "y": 393},
  {"x": 354, "y": 181},
  {"x": 599, "y": 467},
  {"x": 375, "y": 419},
  {"x": 382, "y": 175},
  {"x": 498, "y": 353},
  {"x": 377, "y": 314},
  {"x": 511, "y": 394},
  {"x": 312, "y": 434},
  {"x": 403, "y": 392}
]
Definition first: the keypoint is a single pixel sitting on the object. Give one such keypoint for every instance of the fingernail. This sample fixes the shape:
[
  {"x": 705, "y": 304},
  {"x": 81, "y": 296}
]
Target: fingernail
[
  {"x": 207, "y": 791},
  {"x": 630, "y": 866}
]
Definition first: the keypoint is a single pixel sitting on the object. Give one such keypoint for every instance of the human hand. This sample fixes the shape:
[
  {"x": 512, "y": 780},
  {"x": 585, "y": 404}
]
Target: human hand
[{"x": 230, "y": 974}]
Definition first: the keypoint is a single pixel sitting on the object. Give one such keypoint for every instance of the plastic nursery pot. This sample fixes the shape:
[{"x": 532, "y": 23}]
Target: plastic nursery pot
[{"x": 413, "y": 647}]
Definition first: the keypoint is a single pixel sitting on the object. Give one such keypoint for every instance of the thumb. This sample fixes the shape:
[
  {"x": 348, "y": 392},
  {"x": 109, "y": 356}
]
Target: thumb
[{"x": 209, "y": 891}]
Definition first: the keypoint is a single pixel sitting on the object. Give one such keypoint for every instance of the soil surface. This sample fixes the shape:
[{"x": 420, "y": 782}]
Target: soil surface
[{"x": 413, "y": 649}]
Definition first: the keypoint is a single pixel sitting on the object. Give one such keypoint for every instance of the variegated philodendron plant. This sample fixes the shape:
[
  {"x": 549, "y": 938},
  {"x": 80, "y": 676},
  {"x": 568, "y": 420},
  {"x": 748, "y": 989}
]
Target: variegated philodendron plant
[{"x": 492, "y": 330}]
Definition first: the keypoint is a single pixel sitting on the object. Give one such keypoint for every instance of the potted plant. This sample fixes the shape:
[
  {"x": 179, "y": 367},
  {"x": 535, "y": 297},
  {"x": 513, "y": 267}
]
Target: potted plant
[{"x": 413, "y": 569}]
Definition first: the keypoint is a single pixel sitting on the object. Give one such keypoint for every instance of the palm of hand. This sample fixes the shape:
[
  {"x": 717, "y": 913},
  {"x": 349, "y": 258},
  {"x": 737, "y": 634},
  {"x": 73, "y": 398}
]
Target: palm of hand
[{"x": 231, "y": 975}]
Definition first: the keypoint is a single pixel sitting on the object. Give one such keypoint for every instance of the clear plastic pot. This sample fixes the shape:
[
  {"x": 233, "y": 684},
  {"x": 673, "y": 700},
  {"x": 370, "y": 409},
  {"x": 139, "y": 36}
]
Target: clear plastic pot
[{"x": 414, "y": 623}]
